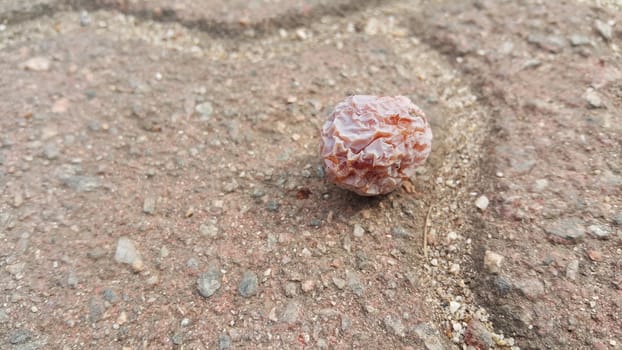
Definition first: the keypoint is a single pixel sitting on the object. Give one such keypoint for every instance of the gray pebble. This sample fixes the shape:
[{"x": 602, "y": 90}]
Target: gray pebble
[
  {"x": 109, "y": 295},
  {"x": 248, "y": 284},
  {"x": 291, "y": 289},
  {"x": 272, "y": 206},
  {"x": 315, "y": 223},
  {"x": 3, "y": 316},
  {"x": 205, "y": 109},
  {"x": 540, "y": 185},
  {"x": 502, "y": 285},
  {"x": 395, "y": 326},
  {"x": 16, "y": 269},
  {"x": 618, "y": 219},
  {"x": 604, "y": 29},
  {"x": 258, "y": 193},
  {"x": 532, "y": 288},
  {"x": 72, "y": 279},
  {"x": 579, "y": 40},
  {"x": 399, "y": 231},
  {"x": 355, "y": 283},
  {"x": 231, "y": 186},
  {"x": 552, "y": 43},
  {"x": 96, "y": 253},
  {"x": 339, "y": 282},
  {"x": 209, "y": 230},
  {"x": 290, "y": 312},
  {"x": 20, "y": 336},
  {"x": 81, "y": 183},
  {"x": 192, "y": 264},
  {"x": 567, "y": 228},
  {"x": 346, "y": 323},
  {"x": 51, "y": 151},
  {"x": 430, "y": 336},
  {"x": 85, "y": 19},
  {"x": 177, "y": 339},
  {"x": 593, "y": 99},
  {"x": 599, "y": 231},
  {"x": 347, "y": 243},
  {"x": 572, "y": 270},
  {"x": 209, "y": 282},
  {"x": 224, "y": 342},
  {"x": 319, "y": 171},
  {"x": 358, "y": 231},
  {"x": 126, "y": 252},
  {"x": 413, "y": 279},
  {"x": 149, "y": 205},
  {"x": 96, "y": 310}
]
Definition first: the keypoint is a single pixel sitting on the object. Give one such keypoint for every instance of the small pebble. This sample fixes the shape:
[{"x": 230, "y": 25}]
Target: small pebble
[
  {"x": 37, "y": 64},
  {"x": 482, "y": 203},
  {"x": 454, "y": 306},
  {"x": 358, "y": 231},
  {"x": 567, "y": 228},
  {"x": 126, "y": 252},
  {"x": 149, "y": 205},
  {"x": 532, "y": 288},
  {"x": 598, "y": 231},
  {"x": 205, "y": 109},
  {"x": 85, "y": 19},
  {"x": 339, "y": 282},
  {"x": 593, "y": 99},
  {"x": 354, "y": 283},
  {"x": 307, "y": 286},
  {"x": 572, "y": 270},
  {"x": 224, "y": 342},
  {"x": 540, "y": 185},
  {"x": 395, "y": 326},
  {"x": 209, "y": 230},
  {"x": 51, "y": 151},
  {"x": 604, "y": 29},
  {"x": 493, "y": 261},
  {"x": 248, "y": 284},
  {"x": 290, "y": 312},
  {"x": 20, "y": 336},
  {"x": 578, "y": 40}
]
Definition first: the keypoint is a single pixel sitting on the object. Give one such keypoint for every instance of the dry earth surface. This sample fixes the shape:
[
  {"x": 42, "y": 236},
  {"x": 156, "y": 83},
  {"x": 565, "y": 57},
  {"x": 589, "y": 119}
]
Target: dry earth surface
[{"x": 161, "y": 188}]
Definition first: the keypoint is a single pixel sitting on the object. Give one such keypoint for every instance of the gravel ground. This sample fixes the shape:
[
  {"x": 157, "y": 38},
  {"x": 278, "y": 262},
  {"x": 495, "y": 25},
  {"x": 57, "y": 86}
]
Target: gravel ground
[{"x": 161, "y": 185}]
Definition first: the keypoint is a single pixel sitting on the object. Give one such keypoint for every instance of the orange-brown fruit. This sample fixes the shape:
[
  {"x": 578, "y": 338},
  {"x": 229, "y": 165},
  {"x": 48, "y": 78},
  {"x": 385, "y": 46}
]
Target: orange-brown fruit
[{"x": 371, "y": 144}]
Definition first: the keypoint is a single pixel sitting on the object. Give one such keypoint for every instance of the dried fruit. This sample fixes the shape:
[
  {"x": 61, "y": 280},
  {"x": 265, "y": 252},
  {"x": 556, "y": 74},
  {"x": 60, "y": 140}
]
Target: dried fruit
[{"x": 371, "y": 144}]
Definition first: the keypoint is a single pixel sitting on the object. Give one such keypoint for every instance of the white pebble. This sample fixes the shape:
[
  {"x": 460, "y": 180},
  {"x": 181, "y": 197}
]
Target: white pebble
[
  {"x": 493, "y": 261},
  {"x": 454, "y": 306},
  {"x": 482, "y": 202}
]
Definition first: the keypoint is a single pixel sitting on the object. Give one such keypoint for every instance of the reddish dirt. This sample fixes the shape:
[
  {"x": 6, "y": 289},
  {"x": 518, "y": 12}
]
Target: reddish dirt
[{"x": 191, "y": 131}]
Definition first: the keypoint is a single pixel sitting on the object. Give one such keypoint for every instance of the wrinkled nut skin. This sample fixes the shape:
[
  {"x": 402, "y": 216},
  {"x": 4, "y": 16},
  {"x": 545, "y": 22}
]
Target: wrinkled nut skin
[{"x": 370, "y": 144}]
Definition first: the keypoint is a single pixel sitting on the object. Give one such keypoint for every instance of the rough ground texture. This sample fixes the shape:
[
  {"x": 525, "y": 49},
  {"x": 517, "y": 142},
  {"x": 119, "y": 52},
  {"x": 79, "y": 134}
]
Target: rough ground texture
[{"x": 161, "y": 186}]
